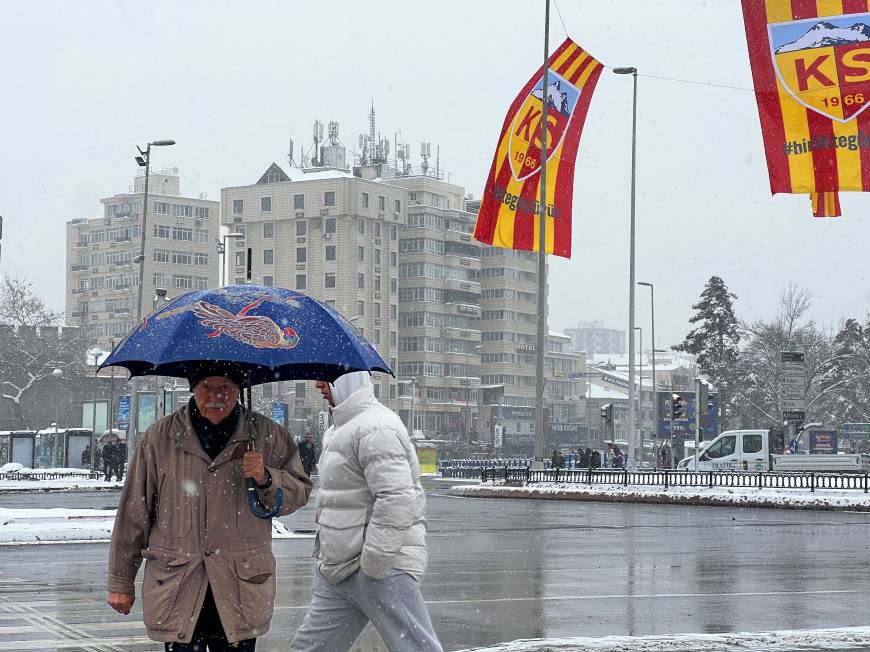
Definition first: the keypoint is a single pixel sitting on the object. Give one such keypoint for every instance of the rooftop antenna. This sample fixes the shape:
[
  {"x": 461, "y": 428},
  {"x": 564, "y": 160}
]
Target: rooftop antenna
[
  {"x": 438, "y": 161},
  {"x": 425, "y": 153},
  {"x": 318, "y": 138},
  {"x": 290, "y": 155},
  {"x": 333, "y": 132}
]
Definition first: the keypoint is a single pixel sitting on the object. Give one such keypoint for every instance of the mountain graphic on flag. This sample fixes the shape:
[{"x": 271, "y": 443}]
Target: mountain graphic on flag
[{"x": 824, "y": 34}]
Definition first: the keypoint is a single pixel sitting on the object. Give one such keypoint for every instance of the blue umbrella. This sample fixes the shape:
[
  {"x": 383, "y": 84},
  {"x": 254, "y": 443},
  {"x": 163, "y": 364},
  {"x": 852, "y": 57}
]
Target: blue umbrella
[
  {"x": 264, "y": 334},
  {"x": 270, "y": 333}
]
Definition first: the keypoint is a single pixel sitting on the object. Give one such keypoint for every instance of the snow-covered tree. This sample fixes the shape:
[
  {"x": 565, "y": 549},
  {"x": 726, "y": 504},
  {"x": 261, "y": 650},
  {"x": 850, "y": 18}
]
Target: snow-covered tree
[
  {"x": 846, "y": 385},
  {"x": 714, "y": 340},
  {"x": 31, "y": 344}
]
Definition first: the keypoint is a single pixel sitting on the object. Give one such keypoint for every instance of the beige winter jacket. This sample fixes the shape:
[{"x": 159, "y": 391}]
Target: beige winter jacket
[
  {"x": 189, "y": 518},
  {"x": 371, "y": 506}
]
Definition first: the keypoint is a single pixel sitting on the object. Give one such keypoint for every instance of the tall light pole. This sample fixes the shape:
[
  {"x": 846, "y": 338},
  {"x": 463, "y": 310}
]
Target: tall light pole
[
  {"x": 468, "y": 396},
  {"x": 222, "y": 252},
  {"x": 639, "y": 412},
  {"x": 57, "y": 372},
  {"x": 652, "y": 318},
  {"x": 144, "y": 160},
  {"x": 95, "y": 352},
  {"x": 632, "y": 431}
]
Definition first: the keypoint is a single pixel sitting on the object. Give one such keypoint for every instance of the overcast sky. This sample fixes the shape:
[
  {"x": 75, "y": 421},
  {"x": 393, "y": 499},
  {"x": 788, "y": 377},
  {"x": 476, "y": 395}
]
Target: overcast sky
[{"x": 83, "y": 83}]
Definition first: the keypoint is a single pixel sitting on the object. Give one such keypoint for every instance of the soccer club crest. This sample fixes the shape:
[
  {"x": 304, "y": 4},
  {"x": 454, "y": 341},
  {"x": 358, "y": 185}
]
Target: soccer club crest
[
  {"x": 525, "y": 130},
  {"x": 824, "y": 63}
]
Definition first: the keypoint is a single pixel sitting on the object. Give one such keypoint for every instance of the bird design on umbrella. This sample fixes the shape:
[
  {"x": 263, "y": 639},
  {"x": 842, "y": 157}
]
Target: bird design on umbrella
[{"x": 258, "y": 331}]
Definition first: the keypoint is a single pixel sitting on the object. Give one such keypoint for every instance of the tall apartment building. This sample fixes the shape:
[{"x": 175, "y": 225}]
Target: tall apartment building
[
  {"x": 439, "y": 310},
  {"x": 509, "y": 324},
  {"x": 333, "y": 236},
  {"x": 102, "y": 279},
  {"x": 593, "y": 338}
]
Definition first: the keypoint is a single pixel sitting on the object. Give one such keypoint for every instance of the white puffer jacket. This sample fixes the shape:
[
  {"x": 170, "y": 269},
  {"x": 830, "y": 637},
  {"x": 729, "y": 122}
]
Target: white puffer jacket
[{"x": 371, "y": 506}]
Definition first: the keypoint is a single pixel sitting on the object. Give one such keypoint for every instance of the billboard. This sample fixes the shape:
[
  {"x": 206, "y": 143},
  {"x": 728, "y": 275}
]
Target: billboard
[{"x": 823, "y": 441}]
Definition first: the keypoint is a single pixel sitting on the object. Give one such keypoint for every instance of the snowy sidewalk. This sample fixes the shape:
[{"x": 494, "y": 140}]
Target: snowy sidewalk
[
  {"x": 65, "y": 484},
  {"x": 35, "y": 526},
  {"x": 846, "y": 638},
  {"x": 716, "y": 496}
]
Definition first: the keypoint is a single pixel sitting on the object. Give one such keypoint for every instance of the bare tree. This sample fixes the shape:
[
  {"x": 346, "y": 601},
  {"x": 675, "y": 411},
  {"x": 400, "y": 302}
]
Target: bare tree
[
  {"x": 32, "y": 345},
  {"x": 759, "y": 390}
]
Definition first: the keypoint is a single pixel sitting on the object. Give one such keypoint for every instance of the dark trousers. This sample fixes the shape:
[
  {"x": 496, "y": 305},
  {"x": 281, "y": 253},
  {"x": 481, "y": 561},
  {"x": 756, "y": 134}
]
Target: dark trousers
[{"x": 209, "y": 633}]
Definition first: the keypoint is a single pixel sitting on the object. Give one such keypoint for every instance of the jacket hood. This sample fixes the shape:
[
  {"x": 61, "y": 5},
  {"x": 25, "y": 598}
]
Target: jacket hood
[{"x": 347, "y": 384}]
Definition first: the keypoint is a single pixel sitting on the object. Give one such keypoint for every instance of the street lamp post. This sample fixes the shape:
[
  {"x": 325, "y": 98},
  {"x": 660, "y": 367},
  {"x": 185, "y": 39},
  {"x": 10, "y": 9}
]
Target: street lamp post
[
  {"x": 468, "y": 396},
  {"x": 632, "y": 433},
  {"x": 639, "y": 412},
  {"x": 222, "y": 252},
  {"x": 144, "y": 160},
  {"x": 652, "y": 318},
  {"x": 96, "y": 354},
  {"x": 413, "y": 392}
]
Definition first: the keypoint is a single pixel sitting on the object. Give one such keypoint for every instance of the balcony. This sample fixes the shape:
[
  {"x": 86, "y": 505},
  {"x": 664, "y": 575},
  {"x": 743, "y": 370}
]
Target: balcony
[
  {"x": 79, "y": 290},
  {"x": 78, "y": 268},
  {"x": 81, "y": 243},
  {"x": 83, "y": 313}
]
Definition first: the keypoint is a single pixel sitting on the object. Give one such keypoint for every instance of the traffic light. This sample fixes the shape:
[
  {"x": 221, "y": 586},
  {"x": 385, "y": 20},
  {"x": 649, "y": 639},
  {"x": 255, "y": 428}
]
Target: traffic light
[
  {"x": 607, "y": 414},
  {"x": 678, "y": 407}
]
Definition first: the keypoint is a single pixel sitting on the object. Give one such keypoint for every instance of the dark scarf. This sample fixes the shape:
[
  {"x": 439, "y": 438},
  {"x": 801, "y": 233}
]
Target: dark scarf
[{"x": 213, "y": 437}]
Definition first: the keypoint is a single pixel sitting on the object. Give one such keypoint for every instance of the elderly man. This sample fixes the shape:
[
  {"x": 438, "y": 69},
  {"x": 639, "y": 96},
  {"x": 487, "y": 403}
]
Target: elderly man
[
  {"x": 371, "y": 536},
  {"x": 210, "y": 574}
]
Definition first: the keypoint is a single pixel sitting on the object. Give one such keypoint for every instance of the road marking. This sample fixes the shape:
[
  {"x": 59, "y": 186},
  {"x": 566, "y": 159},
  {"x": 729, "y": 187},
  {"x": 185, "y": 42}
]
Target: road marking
[
  {"x": 108, "y": 644},
  {"x": 95, "y": 626},
  {"x": 638, "y": 596},
  {"x": 52, "y": 626}
]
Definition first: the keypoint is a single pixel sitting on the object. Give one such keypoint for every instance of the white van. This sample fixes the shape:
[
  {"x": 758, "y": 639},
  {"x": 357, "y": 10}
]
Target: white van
[
  {"x": 733, "y": 450},
  {"x": 763, "y": 450}
]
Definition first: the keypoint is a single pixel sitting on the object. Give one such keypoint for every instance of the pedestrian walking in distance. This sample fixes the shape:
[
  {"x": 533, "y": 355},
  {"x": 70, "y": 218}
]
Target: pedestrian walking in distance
[
  {"x": 209, "y": 573},
  {"x": 308, "y": 453},
  {"x": 371, "y": 529}
]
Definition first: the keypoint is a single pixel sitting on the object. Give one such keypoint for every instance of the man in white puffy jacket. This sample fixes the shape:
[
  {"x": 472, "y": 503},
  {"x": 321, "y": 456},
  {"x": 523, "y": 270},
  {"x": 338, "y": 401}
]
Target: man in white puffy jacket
[{"x": 371, "y": 534}]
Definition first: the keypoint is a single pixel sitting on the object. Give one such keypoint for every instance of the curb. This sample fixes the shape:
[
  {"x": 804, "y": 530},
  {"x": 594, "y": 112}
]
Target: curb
[{"x": 652, "y": 499}]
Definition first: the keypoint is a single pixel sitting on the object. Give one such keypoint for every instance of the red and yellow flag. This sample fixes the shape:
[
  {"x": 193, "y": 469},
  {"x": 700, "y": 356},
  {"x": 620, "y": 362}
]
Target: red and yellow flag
[
  {"x": 509, "y": 210},
  {"x": 811, "y": 69}
]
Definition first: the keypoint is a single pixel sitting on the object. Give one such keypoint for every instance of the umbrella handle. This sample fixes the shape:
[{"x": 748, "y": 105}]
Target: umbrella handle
[{"x": 257, "y": 507}]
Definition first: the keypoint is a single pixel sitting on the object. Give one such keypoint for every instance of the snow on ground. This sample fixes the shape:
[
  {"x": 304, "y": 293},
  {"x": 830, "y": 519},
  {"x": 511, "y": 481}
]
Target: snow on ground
[
  {"x": 67, "y": 484},
  {"x": 847, "y": 638},
  {"x": 716, "y": 496},
  {"x": 56, "y": 525}
]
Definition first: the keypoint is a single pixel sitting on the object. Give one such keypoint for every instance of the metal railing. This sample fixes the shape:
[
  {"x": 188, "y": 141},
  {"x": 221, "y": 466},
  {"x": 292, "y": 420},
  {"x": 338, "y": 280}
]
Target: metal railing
[
  {"x": 669, "y": 478},
  {"x": 43, "y": 475}
]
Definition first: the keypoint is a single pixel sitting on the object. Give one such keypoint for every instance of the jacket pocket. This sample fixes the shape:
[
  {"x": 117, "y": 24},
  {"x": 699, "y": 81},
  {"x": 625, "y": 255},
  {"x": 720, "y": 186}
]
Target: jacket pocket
[
  {"x": 164, "y": 575},
  {"x": 341, "y": 532},
  {"x": 256, "y": 576}
]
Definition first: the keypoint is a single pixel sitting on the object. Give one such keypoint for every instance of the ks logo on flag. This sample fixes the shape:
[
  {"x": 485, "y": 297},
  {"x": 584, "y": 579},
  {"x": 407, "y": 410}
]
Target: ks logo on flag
[
  {"x": 824, "y": 63},
  {"x": 525, "y": 131}
]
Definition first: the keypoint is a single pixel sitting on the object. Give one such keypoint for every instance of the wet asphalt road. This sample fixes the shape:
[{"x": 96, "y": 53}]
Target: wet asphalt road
[{"x": 509, "y": 569}]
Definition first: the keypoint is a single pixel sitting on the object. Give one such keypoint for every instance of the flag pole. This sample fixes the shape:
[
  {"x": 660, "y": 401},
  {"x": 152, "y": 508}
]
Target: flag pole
[{"x": 540, "y": 411}]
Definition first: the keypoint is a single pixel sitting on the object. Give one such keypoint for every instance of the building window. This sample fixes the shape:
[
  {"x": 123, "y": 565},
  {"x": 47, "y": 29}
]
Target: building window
[
  {"x": 330, "y": 253},
  {"x": 376, "y": 338},
  {"x": 299, "y": 390},
  {"x": 377, "y": 229},
  {"x": 393, "y": 259},
  {"x": 382, "y": 203},
  {"x": 268, "y": 281},
  {"x": 183, "y": 211},
  {"x": 200, "y": 235},
  {"x": 200, "y": 283},
  {"x": 240, "y": 258},
  {"x": 298, "y": 202},
  {"x": 398, "y": 206},
  {"x": 361, "y": 254},
  {"x": 182, "y": 233},
  {"x": 301, "y": 255},
  {"x": 182, "y": 258},
  {"x": 182, "y": 282},
  {"x": 301, "y": 281},
  {"x": 329, "y": 225},
  {"x": 361, "y": 308},
  {"x": 377, "y": 311},
  {"x": 238, "y": 206},
  {"x": 161, "y": 208},
  {"x": 361, "y": 226},
  {"x": 266, "y": 204},
  {"x": 161, "y": 231},
  {"x": 365, "y": 200},
  {"x": 393, "y": 232},
  {"x": 361, "y": 281},
  {"x": 329, "y": 198},
  {"x": 393, "y": 286},
  {"x": 202, "y": 212},
  {"x": 393, "y": 311},
  {"x": 330, "y": 303},
  {"x": 329, "y": 280},
  {"x": 268, "y": 256},
  {"x": 161, "y": 256},
  {"x": 268, "y": 230},
  {"x": 377, "y": 283},
  {"x": 301, "y": 229},
  {"x": 377, "y": 256}
]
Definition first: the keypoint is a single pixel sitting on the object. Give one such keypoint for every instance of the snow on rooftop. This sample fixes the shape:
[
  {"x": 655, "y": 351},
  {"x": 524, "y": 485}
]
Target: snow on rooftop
[
  {"x": 317, "y": 174},
  {"x": 598, "y": 391}
]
